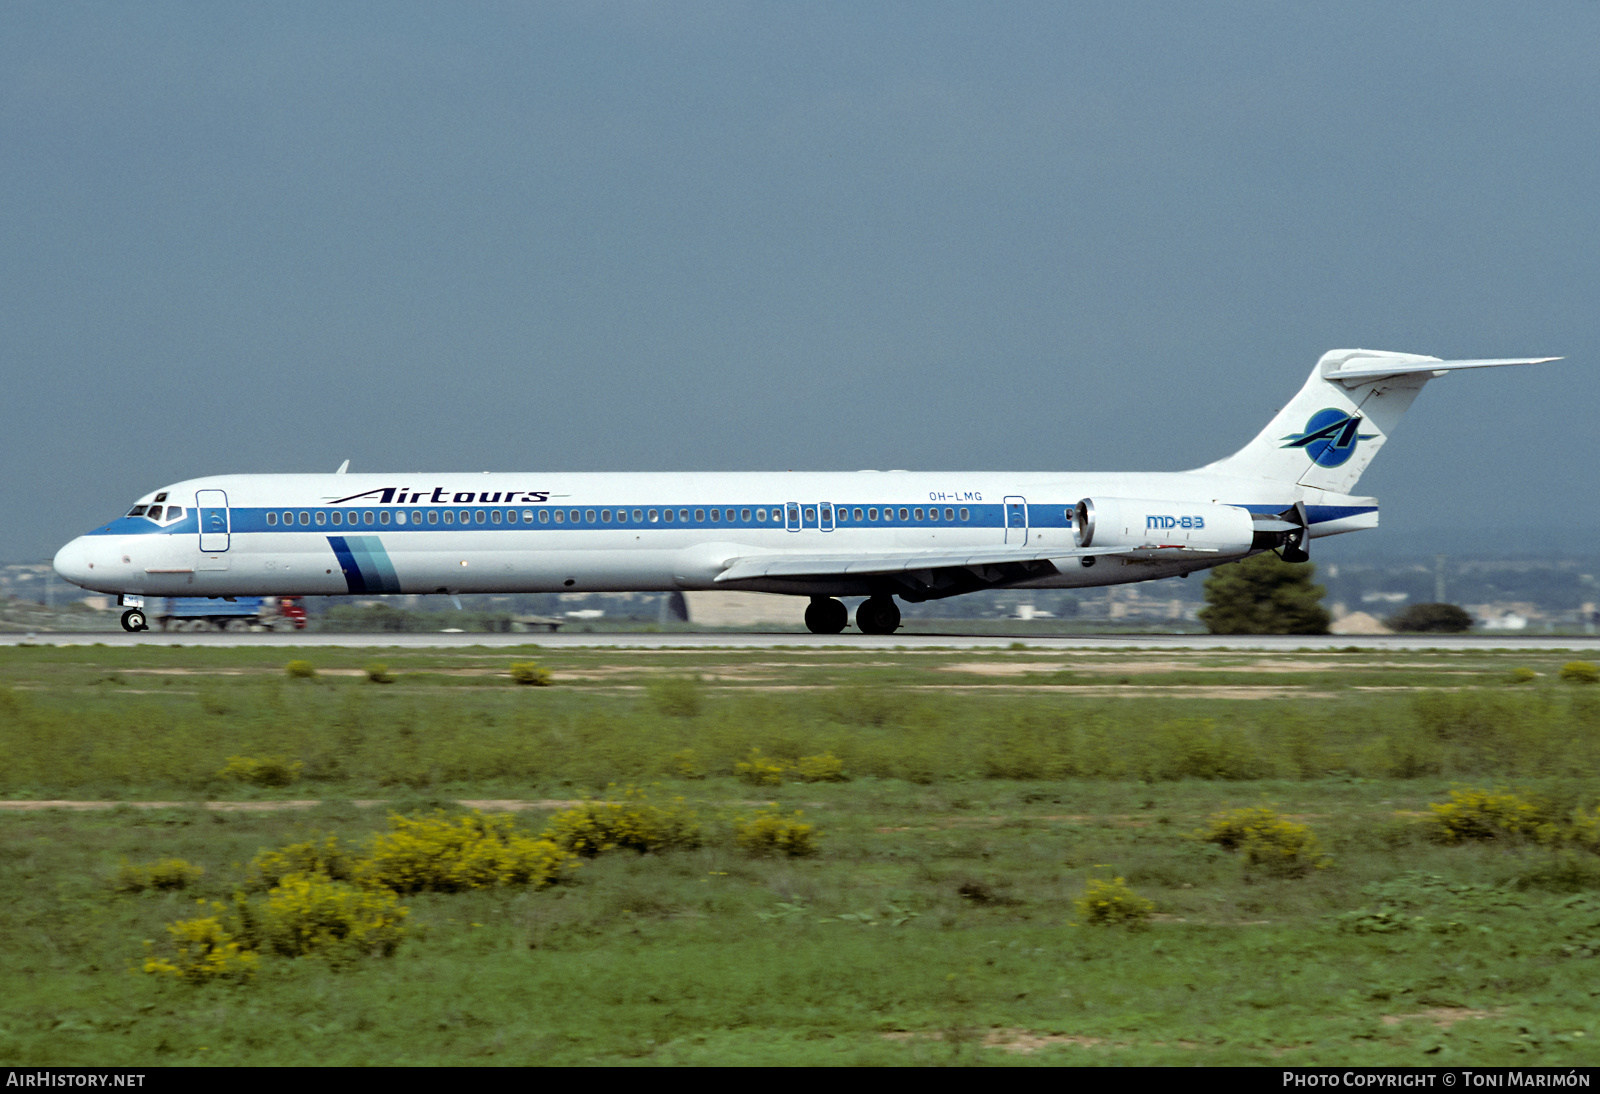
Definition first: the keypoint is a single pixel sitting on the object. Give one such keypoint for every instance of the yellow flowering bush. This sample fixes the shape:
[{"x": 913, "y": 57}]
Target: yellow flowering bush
[
  {"x": 634, "y": 823},
  {"x": 268, "y": 868},
  {"x": 202, "y": 950},
  {"x": 826, "y": 768},
  {"x": 1474, "y": 814},
  {"x": 313, "y": 914},
  {"x": 1110, "y": 903},
  {"x": 769, "y": 833},
  {"x": 760, "y": 770},
  {"x": 477, "y": 851},
  {"x": 1274, "y": 843},
  {"x": 531, "y": 675},
  {"x": 261, "y": 770},
  {"x": 167, "y": 873}
]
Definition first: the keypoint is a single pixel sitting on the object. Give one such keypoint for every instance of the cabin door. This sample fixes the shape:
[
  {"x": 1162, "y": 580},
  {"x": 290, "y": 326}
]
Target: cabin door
[
  {"x": 213, "y": 508},
  {"x": 1016, "y": 520}
]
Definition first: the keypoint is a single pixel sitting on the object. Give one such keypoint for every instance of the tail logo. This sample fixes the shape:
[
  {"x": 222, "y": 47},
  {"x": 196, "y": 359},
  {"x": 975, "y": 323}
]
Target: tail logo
[{"x": 1330, "y": 437}]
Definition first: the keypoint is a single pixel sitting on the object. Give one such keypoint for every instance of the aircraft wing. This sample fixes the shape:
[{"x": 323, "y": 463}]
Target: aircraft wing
[{"x": 863, "y": 563}]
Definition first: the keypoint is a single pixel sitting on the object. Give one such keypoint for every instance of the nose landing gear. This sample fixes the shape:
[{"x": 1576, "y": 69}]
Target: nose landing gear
[
  {"x": 825, "y": 615},
  {"x": 133, "y": 620},
  {"x": 879, "y": 615}
]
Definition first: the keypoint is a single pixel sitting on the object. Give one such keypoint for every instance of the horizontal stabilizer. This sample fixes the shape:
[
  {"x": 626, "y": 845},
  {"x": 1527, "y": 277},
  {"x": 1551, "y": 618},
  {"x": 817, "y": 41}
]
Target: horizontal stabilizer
[{"x": 1363, "y": 369}]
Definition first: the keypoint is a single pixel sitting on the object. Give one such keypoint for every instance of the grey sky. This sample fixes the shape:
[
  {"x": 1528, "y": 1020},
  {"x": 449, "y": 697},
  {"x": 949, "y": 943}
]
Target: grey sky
[{"x": 655, "y": 236}]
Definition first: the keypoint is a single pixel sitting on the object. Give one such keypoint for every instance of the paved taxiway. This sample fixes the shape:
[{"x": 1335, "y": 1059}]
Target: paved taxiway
[{"x": 1579, "y": 644}]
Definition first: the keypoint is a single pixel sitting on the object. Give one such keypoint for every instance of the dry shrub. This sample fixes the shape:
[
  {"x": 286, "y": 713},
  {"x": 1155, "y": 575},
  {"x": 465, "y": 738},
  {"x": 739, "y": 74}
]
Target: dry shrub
[
  {"x": 300, "y": 670},
  {"x": 378, "y": 673}
]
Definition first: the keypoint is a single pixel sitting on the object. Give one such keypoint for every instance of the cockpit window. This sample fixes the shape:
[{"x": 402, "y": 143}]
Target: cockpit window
[
  {"x": 174, "y": 512},
  {"x": 154, "y": 512},
  {"x": 136, "y": 511}
]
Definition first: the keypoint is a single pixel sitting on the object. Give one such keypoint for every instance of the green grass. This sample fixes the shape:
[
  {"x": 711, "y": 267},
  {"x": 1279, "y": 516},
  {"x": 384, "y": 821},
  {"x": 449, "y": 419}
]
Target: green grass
[{"x": 937, "y": 924}]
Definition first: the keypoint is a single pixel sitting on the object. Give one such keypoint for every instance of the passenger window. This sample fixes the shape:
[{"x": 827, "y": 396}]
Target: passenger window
[
  {"x": 605, "y": 516},
  {"x": 872, "y": 514},
  {"x": 272, "y": 518},
  {"x": 917, "y": 513},
  {"x": 416, "y": 516},
  {"x": 811, "y": 514},
  {"x": 905, "y": 514},
  {"x": 950, "y": 514},
  {"x": 383, "y": 517},
  {"x": 478, "y": 516},
  {"x": 400, "y": 516},
  {"x": 964, "y": 514},
  {"x": 466, "y": 516},
  {"x": 622, "y": 516},
  {"x": 544, "y": 516},
  {"x": 494, "y": 517},
  {"x": 433, "y": 516},
  {"x": 576, "y": 516},
  {"x": 653, "y": 516},
  {"x": 683, "y": 514},
  {"x": 699, "y": 515},
  {"x": 933, "y": 514},
  {"x": 716, "y": 514},
  {"x": 288, "y": 518},
  {"x": 588, "y": 515},
  {"x": 527, "y": 516},
  {"x": 366, "y": 518},
  {"x": 305, "y": 518},
  {"x": 761, "y": 516},
  {"x": 744, "y": 516},
  {"x": 858, "y": 514},
  {"x": 338, "y": 517},
  {"x": 667, "y": 515},
  {"x": 449, "y": 516},
  {"x": 638, "y": 515}
]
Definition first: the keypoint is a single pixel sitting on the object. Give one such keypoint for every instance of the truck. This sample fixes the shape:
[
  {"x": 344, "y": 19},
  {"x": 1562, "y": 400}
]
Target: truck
[{"x": 237, "y": 614}]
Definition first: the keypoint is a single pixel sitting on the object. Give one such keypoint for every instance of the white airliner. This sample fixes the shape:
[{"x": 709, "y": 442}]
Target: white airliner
[{"x": 916, "y": 535}]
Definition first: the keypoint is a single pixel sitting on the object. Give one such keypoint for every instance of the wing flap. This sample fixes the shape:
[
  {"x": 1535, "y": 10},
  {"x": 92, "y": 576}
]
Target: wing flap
[{"x": 892, "y": 562}]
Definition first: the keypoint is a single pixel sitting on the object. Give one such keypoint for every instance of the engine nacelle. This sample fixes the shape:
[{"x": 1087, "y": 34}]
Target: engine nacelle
[{"x": 1140, "y": 524}]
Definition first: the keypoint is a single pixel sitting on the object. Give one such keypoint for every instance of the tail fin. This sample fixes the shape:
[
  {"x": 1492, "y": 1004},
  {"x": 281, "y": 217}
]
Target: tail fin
[{"x": 1330, "y": 432}]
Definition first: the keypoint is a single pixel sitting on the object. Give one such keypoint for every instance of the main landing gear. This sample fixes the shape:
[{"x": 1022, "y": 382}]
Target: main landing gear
[
  {"x": 133, "y": 620},
  {"x": 825, "y": 615},
  {"x": 879, "y": 615}
]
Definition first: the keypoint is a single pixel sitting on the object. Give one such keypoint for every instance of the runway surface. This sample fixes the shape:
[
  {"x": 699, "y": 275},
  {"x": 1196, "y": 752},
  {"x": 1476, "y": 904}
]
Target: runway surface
[{"x": 1580, "y": 644}]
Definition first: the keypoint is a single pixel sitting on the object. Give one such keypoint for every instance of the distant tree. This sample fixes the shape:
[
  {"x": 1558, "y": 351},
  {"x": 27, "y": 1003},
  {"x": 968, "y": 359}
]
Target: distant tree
[
  {"x": 1264, "y": 595},
  {"x": 1436, "y": 618}
]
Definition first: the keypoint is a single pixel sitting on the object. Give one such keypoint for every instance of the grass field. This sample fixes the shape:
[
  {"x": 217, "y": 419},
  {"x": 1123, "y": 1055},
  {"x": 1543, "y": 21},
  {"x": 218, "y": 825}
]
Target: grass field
[{"x": 937, "y": 923}]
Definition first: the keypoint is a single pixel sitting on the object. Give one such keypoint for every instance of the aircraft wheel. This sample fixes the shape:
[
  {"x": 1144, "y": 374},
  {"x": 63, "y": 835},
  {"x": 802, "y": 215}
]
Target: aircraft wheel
[
  {"x": 133, "y": 620},
  {"x": 879, "y": 615},
  {"x": 825, "y": 615}
]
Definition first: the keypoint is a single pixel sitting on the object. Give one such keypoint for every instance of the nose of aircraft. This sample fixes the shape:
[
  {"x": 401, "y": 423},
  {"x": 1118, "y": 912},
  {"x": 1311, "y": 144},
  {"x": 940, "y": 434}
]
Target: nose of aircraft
[{"x": 72, "y": 562}]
